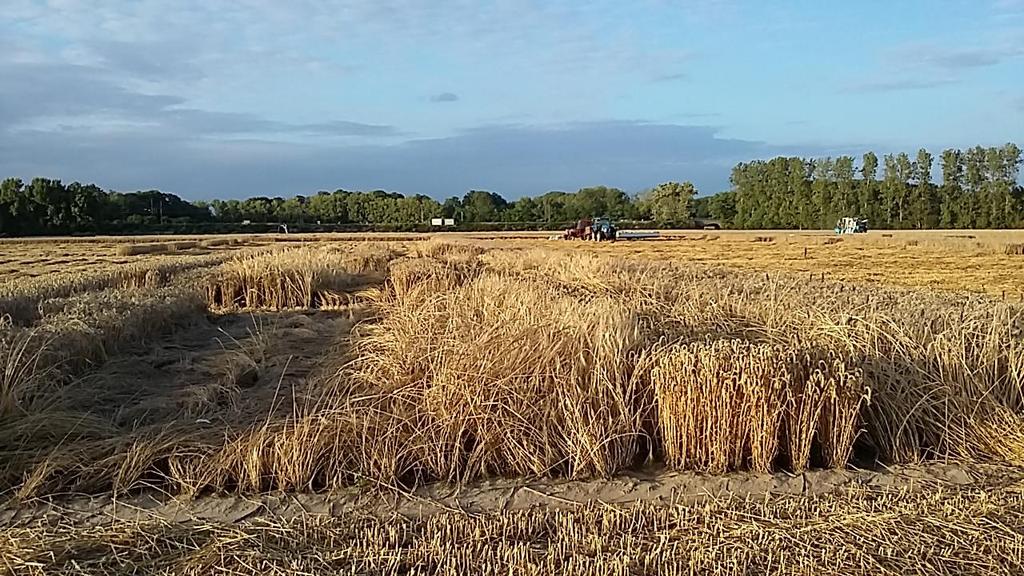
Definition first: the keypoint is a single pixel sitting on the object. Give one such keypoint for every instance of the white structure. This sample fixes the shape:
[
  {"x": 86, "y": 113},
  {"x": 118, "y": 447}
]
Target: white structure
[
  {"x": 449, "y": 221},
  {"x": 437, "y": 222}
]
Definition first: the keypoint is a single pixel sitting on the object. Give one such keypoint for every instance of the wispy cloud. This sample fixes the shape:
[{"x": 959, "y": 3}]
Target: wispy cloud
[
  {"x": 899, "y": 84},
  {"x": 953, "y": 58},
  {"x": 671, "y": 77},
  {"x": 923, "y": 66},
  {"x": 36, "y": 97},
  {"x": 445, "y": 97},
  {"x": 1008, "y": 6},
  {"x": 547, "y": 35},
  {"x": 161, "y": 60}
]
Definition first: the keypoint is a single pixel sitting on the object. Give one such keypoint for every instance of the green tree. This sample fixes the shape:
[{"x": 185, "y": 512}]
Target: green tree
[
  {"x": 552, "y": 207},
  {"x": 1002, "y": 165},
  {"x": 598, "y": 201},
  {"x": 869, "y": 194},
  {"x": 452, "y": 208},
  {"x": 86, "y": 202},
  {"x": 923, "y": 209},
  {"x": 290, "y": 211},
  {"x": 524, "y": 210},
  {"x": 845, "y": 201},
  {"x": 976, "y": 201},
  {"x": 17, "y": 207},
  {"x": 952, "y": 191},
  {"x": 819, "y": 212},
  {"x": 670, "y": 202},
  {"x": 483, "y": 206},
  {"x": 896, "y": 188},
  {"x": 722, "y": 207}
]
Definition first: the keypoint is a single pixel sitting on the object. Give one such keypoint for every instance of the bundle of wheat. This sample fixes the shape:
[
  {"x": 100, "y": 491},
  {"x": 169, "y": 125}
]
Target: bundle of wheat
[
  {"x": 730, "y": 404},
  {"x": 294, "y": 278},
  {"x": 478, "y": 401}
]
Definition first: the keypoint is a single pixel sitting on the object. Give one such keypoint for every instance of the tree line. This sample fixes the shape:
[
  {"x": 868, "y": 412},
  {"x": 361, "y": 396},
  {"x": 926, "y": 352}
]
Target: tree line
[
  {"x": 46, "y": 206},
  {"x": 978, "y": 189}
]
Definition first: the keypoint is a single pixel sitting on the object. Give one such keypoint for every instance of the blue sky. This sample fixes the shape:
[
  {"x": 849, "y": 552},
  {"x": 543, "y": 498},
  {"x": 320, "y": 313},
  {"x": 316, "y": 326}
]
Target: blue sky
[{"x": 265, "y": 97}]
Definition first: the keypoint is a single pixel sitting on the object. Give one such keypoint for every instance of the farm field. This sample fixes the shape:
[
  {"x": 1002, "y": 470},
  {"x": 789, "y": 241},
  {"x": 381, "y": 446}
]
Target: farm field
[
  {"x": 708, "y": 402},
  {"x": 960, "y": 260}
]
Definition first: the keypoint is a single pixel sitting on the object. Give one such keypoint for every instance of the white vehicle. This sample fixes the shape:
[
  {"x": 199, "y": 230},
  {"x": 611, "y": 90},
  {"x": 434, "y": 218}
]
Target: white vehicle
[{"x": 851, "y": 226}]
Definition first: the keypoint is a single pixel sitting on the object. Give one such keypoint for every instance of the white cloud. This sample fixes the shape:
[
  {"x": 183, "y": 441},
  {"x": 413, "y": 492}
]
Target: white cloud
[{"x": 556, "y": 36}]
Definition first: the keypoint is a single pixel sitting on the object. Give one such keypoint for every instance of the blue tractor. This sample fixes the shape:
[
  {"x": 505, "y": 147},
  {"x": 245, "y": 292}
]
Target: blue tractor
[{"x": 602, "y": 229}]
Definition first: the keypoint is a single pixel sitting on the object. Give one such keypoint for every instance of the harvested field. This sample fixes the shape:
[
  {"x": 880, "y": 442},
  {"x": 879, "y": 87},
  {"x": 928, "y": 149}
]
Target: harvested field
[
  {"x": 941, "y": 530},
  {"x": 234, "y": 370}
]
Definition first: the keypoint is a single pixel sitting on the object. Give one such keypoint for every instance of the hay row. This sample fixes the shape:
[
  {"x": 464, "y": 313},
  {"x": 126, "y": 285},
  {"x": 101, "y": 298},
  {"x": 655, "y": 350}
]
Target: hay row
[
  {"x": 295, "y": 278},
  {"x": 21, "y": 301},
  {"x": 157, "y": 248},
  {"x": 971, "y": 531}
]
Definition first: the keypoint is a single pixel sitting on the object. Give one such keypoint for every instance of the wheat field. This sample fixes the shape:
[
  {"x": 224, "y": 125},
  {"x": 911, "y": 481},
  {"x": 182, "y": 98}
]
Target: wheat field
[{"x": 191, "y": 367}]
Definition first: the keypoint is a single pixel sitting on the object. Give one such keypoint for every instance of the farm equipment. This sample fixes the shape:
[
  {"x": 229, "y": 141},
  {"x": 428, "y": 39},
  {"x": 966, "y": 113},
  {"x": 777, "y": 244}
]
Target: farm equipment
[
  {"x": 851, "y": 226},
  {"x": 600, "y": 229},
  {"x": 603, "y": 229},
  {"x": 597, "y": 229},
  {"x": 582, "y": 230},
  {"x": 637, "y": 235}
]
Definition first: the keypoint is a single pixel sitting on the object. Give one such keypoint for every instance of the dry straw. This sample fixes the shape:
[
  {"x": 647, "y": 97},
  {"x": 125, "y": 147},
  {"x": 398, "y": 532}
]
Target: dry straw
[
  {"x": 541, "y": 363},
  {"x": 496, "y": 376},
  {"x": 21, "y": 300},
  {"x": 942, "y": 532},
  {"x": 726, "y": 404},
  {"x": 156, "y": 248},
  {"x": 296, "y": 278}
]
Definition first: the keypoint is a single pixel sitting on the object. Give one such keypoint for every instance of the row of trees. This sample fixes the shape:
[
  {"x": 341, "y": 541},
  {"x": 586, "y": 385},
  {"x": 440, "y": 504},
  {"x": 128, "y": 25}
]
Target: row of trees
[
  {"x": 46, "y": 206},
  {"x": 978, "y": 189},
  {"x": 670, "y": 203}
]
